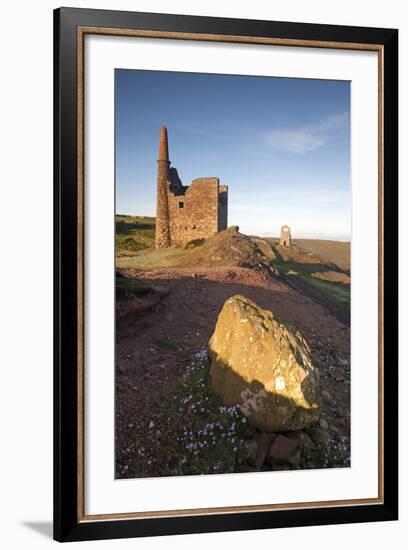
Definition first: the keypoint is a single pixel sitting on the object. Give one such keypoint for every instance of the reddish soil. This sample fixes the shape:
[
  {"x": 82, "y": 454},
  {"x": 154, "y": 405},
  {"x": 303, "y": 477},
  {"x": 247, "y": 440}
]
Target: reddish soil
[{"x": 157, "y": 335}]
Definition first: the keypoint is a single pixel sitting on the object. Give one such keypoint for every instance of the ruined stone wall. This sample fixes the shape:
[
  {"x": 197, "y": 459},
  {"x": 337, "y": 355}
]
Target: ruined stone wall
[
  {"x": 223, "y": 207},
  {"x": 186, "y": 213},
  {"x": 194, "y": 214}
]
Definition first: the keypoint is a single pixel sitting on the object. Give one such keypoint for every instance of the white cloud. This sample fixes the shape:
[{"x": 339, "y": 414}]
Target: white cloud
[
  {"x": 305, "y": 138},
  {"x": 301, "y": 140}
]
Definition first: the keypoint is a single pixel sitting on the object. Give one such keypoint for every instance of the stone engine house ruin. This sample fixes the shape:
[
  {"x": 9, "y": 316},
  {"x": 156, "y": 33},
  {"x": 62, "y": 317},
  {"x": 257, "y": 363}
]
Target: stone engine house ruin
[
  {"x": 285, "y": 238},
  {"x": 185, "y": 213}
]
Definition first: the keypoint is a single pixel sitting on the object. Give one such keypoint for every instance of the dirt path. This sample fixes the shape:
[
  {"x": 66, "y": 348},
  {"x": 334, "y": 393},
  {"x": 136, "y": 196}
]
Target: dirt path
[{"x": 156, "y": 342}]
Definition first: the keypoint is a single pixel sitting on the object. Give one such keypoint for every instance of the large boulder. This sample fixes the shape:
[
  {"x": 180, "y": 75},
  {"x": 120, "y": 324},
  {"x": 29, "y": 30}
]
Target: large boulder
[{"x": 264, "y": 367}]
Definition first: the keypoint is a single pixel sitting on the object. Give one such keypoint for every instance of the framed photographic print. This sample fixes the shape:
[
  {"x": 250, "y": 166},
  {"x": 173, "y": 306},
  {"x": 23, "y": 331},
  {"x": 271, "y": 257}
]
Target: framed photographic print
[{"x": 225, "y": 274}]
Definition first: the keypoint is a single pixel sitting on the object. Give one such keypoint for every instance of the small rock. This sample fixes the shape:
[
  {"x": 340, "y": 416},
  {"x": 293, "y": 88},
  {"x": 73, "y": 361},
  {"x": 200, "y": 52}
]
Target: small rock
[
  {"x": 326, "y": 395},
  {"x": 324, "y": 424},
  {"x": 343, "y": 423},
  {"x": 295, "y": 457},
  {"x": 315, "y": 458},
  {"x": 151, "y": 424},
  {"x": 303, "y": 439},
  {"x": 319, "y": 436},
  {"x": 250, "y": 450},
  {"x": 335, "y": 429},
  {"x": 306, "y": 441},
  {"x": 282, "y": 447},
  {"x": 264, "y": 442}
]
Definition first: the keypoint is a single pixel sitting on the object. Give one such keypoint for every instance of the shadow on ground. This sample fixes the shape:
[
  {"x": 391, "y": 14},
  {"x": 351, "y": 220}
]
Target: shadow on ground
[{"x": 44, "y": 528}]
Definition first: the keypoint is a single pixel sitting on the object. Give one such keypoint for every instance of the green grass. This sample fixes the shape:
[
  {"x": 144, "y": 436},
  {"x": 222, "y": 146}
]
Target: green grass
[
  {"x": 132, "y": 286},
  {"x": 336, "y": 252},
  {"x": 206, "y": 436},
  {"x": 337, "y": 292},
  {"x": 135, "y": 249},
  {"x": 194, "y": 243},
  {"x": 203, "y": 436},
  {"x": 291, "y": 267},
  {"x": 151, "y": 258},
  {"x": 134, "y": 233}
]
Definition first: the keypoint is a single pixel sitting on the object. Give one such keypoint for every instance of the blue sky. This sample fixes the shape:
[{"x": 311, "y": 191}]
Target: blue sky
[{"x": 281, "y": 145}]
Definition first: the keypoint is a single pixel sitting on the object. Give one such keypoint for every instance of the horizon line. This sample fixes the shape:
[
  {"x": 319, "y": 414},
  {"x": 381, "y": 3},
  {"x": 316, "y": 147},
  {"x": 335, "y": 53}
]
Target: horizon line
[{"x": 302, "y": 236}]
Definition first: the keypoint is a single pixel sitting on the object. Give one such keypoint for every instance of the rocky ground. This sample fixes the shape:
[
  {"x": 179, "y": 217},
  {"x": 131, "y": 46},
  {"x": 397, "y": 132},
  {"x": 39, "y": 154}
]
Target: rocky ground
[{"x": 168, "y": 419}]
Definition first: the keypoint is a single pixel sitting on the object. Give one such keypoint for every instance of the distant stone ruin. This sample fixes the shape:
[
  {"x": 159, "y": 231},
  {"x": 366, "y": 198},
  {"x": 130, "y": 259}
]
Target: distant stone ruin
[
  {"x": 185, "y": 213},
  {"x": 285, "y": 237}
]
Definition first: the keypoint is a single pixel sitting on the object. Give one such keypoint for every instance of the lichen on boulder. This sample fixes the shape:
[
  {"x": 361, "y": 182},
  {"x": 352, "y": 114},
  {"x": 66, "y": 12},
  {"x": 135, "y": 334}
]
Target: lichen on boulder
[{"x": 263, "y": 366}]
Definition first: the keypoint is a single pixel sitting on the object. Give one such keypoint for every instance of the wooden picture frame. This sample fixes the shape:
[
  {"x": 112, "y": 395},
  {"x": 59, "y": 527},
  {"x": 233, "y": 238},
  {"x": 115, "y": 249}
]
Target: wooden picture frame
[{"x": 70, "y": 27}]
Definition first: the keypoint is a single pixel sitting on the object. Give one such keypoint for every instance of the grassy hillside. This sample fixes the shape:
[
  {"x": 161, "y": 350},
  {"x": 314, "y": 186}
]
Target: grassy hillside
[
  {"x": 320, "y": 269},
  {"x": 321, "y": 278},
  {"x": 336, "y": 252},
  {"x": 228, "y": 248},
  {"x": 330, "y": 252},
  {"x": 133, "y": 233}
]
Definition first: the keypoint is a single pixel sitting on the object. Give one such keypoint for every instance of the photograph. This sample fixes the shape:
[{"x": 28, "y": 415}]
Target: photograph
[
  {"x": 232, "y": 274},
  {"x": 225, "y": 273}
]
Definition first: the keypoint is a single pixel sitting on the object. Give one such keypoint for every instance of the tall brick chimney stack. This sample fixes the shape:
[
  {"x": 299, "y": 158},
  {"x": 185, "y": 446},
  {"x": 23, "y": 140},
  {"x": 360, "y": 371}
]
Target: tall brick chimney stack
[
  {"x": 162, "y": 237},
  {"x": 163, "y": 145}
]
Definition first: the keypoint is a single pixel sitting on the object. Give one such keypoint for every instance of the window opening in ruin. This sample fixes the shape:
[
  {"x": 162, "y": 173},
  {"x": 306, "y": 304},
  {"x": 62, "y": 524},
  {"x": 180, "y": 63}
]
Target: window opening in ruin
[{"x": 181, "y": 204}]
